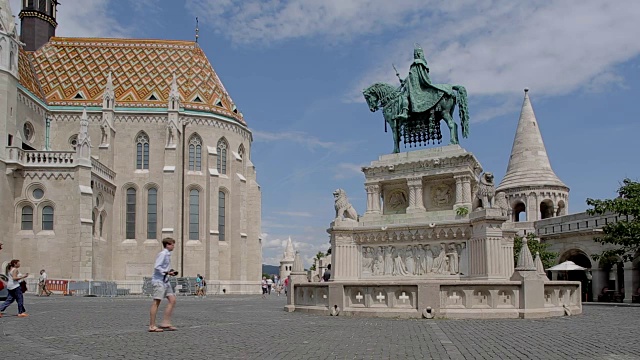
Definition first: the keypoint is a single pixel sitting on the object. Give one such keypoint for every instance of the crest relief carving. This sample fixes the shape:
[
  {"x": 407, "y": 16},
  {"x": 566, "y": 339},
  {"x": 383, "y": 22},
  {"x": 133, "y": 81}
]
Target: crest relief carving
[
  {"x": 396, "y": 201},
  {"x": 441, "y": 195}
]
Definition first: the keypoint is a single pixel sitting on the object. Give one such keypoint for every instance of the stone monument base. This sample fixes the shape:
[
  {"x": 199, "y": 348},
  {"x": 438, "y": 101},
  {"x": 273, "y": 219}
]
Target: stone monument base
[{"x": 438, "y": 299}]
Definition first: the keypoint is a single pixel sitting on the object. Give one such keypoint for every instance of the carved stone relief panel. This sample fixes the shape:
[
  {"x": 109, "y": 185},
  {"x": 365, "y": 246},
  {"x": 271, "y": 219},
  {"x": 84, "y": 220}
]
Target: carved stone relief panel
[
  {"x": 396, "y": 199},
  {"x": 439, "y": 195},
  {"x": 415, "y": 259}
]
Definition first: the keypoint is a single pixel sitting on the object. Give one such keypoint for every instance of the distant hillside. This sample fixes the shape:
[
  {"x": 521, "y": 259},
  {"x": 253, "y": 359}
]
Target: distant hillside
[{"x": 270, "y": 269}]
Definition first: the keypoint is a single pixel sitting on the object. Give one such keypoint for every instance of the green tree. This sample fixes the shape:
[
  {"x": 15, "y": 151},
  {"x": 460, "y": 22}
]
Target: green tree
[
  {"x": 625, "y": 233},
  {"x": 548, "y": 258},
  {"x": 320, "y": 255},
  {"x": 313, "y": 267}
]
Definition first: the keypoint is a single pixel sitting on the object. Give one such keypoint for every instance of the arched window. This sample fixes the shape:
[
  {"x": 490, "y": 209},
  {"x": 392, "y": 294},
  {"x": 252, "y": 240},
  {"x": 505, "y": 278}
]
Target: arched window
[
  {"x": 152, "y": 213},
  {"x": 93, "y": 224},
  {"x": 27, "y": 218},
  {"x": 47, "y": 218},
  {"x": 241, "y": 152},
  {"x": 221, "y": 215},
  {"x": 222, "y": 156},
  {"x": 101, "y": 224},
  {"x": 519, "y": 212},
  {"x": 142, "y": 151},
  {"x": 131, "y": 214},
  {"x": 195, "y": 153},
  {"x": 194, "y": 215}
]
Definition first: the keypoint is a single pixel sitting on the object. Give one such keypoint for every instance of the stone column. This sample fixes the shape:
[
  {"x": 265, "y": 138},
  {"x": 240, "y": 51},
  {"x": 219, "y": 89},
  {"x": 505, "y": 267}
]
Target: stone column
[
  {"x": 466, "y": 191},
  {"x": 373, "y": 198},
  {"x": 345, "y": 257},
  {"x": 415, "y": 195},
  {"x": 459, "y": 190},
  {"x": 628, "y": 282},
  {"x": 485, "y": 247}
]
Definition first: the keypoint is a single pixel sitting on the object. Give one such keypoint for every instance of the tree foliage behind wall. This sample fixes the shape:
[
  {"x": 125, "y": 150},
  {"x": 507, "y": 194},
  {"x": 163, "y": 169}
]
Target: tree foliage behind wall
[
  {"x": 624, "y": 234},
  {"x": 548, "y": 258}
]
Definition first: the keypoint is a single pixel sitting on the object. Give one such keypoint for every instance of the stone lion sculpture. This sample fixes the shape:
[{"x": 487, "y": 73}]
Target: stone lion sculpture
[
  {"x": 486, "y": 190},
  {"x": 500, "y": 202},
  {"x": 344, "y": 209}
]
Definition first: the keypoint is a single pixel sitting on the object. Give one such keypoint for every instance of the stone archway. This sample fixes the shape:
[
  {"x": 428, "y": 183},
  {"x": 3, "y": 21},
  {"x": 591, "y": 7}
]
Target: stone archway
[
  {"x": 519, "y": 212},
  {"x": 580, "y": 258},
  {"x": 546, "y": 209}
]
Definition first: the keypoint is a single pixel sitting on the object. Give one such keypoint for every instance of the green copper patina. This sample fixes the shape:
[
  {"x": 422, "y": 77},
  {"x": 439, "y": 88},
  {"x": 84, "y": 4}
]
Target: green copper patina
[{"x": 414, "y": 110}]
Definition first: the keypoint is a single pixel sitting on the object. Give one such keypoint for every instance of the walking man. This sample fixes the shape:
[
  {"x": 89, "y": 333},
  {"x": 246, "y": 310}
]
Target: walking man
[
  {"x": 42, "y": 284},
  {"x": 162, "y": 288}
]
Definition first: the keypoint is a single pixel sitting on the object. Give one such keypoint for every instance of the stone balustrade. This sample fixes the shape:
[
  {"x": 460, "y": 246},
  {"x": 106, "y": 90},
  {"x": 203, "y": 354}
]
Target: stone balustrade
[
  {"x": 418, "y": 299},
  {"x": 102, "y": 170},
  {"x": 572, "y": 224},
  {"x": 32, "y": 158}
]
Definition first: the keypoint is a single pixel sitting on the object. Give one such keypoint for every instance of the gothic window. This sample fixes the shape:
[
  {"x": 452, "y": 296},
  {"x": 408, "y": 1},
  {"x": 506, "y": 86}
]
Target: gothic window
[
  {"x": 27, "y": 218},
  {"x": 142, "y": 151},
  {"x": 47, "y": 218},
  {"x": 241, "y": 152},
  {"x": 152, "y": 213},
  {"x": 11, "y": 60},
  {"x": 221, "y": 215},
  {"x": 195, "y": 153},
  {"x": 43, "y": 6},
  {"x": 101, "y": 223},
  {"x": 131, "y": 214},
  {"x": 222, "y": 156},
  {"x": 194, "y": 215},
  {"x": 93, "y": 225}
]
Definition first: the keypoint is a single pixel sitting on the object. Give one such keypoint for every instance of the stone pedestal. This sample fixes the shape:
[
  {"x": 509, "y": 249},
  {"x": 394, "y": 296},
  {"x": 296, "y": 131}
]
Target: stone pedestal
[{"x": 487, "y": 246}]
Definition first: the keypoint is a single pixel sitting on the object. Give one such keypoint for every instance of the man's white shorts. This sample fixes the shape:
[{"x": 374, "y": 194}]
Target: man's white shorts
[{"x": 162, "y": 290}]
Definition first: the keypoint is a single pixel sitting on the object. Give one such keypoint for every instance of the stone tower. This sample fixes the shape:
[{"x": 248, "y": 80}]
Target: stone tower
[
  {"x": 38, "y": 22},
  {"x": 286, "y": 264},
  {"x": 532, "y": 189}
]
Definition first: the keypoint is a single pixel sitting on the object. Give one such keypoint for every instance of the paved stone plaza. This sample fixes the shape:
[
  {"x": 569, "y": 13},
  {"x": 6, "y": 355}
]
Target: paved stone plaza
[{"x": 247, "y": 327}]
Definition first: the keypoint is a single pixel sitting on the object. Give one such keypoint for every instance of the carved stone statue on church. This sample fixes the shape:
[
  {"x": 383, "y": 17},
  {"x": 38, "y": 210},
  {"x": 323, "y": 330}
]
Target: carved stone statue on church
[
  {"x": 104, "y": 128},
  {"x": 170, "y": 136}
]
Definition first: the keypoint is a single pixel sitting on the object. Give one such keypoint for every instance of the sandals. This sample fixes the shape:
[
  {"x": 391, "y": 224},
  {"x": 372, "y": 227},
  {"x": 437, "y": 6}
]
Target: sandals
[
  {"x": 169, "y": 328},
  {"x": 155, "y": 329}
]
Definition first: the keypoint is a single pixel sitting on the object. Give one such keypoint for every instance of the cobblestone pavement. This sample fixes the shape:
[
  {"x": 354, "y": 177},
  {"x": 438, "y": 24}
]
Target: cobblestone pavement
[{"x": 248, "y": 327}]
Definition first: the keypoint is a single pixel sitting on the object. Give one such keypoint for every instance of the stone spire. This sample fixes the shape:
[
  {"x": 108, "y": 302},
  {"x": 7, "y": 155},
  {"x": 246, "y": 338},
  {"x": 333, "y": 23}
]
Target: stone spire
[
  {"x": 298, "y": 267},
  {"x": 108, "y": 97},
  {"x": 83, "y": 147},
  {"x": 7, "y": 20},
  {"x": 529, "y": 164},
  {"x": 539, "y": 265},
  {"x": 174, "y": 95},
  {"x": 525, "y": 259},
  {"x": 289, "y": 253}
]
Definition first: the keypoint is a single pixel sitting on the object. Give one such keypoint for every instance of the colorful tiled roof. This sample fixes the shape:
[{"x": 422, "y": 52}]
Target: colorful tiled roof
[
  {"x": 73, "y": 72},
  {"x": 27, "y": 75}
]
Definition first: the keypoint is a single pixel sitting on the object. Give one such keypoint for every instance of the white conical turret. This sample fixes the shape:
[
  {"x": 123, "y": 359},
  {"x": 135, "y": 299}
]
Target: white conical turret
[
  {"x": 529, "y": 164},
  {"x": 286, "y": 264},
  {"x": 532, "y": 188}
]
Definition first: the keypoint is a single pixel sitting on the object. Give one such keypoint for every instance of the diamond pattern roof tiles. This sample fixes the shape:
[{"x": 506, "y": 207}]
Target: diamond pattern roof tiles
[{"x": 140, "y": 68}]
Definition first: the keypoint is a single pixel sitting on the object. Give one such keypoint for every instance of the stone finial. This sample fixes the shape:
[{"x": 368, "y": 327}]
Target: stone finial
[
  {"x": 298, "y": 267},
  {"x": 83, "y": 147},
  {"x": 174, "y": 94},
  {"x": 108, "y": 97},
  {"x": 525, "y": 259},
  {"x": 539, "y": 265}
]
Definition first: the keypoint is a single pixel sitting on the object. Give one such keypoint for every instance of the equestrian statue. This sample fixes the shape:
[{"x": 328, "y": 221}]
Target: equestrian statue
[{"x": 415, "y": 108}]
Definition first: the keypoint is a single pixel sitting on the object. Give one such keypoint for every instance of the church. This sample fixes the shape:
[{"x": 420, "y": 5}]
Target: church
[{"x": 111, "y": 145}]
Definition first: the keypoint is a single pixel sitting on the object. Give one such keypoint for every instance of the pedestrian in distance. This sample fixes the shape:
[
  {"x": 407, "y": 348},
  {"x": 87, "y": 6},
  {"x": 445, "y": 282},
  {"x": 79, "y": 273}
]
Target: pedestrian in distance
[
  {"x": 42, "y": 284},
  {"x": 264, "y": 287},
  {"x": 13, "y": 285},
  {"x": 162, "y": 288}
]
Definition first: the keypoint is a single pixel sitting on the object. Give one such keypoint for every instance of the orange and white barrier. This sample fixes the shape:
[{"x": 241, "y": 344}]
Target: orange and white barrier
[{"x": 58, "y": 286}]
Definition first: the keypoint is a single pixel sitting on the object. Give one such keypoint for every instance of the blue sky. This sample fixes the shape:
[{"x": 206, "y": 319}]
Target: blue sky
[{"x": 296, "y": 69}]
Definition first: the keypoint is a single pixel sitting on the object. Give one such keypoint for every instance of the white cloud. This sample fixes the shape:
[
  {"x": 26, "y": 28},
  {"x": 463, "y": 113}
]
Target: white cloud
[
  {"x": 491, "y": 47},
  {"x": 347, "y": 170},
  {"x": 299, "y": 137},
  {"x": 86, "y": 18}
]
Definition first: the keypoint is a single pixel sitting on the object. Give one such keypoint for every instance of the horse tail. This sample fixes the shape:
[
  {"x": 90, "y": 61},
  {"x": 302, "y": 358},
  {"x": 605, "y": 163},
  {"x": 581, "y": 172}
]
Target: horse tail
[{"x": 463, "y": 109}]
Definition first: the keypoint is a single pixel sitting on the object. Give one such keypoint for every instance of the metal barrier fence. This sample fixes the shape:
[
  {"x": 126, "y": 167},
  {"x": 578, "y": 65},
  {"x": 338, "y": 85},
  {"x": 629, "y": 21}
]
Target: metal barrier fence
[{"x": 183, "y": 286}]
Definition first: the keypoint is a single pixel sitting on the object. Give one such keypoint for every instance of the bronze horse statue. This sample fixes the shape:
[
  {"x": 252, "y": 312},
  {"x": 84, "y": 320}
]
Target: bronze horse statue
[{"x": 418, "y": 128}]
